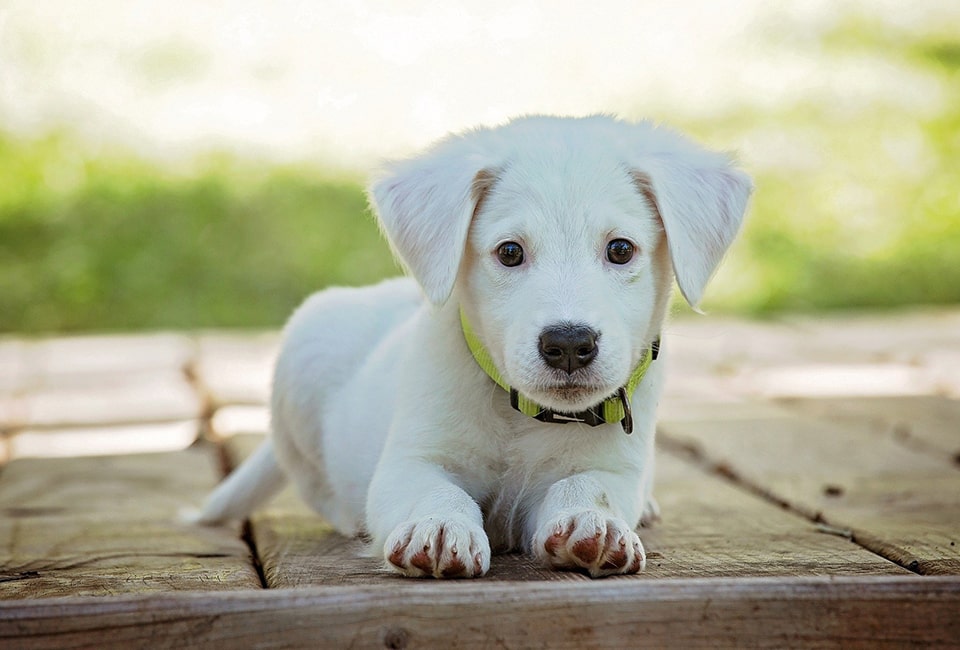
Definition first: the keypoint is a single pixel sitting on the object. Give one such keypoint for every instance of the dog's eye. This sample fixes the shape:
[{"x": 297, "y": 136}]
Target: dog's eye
[
  {"x": 619, "y": 251},
  {"x": 510, "y": 253}
]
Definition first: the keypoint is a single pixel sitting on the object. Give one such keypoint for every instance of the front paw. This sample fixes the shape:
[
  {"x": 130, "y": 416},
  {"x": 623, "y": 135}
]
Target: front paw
[
  {"x": 590, "y": 541},
  {"x": 438, "y": 547}
]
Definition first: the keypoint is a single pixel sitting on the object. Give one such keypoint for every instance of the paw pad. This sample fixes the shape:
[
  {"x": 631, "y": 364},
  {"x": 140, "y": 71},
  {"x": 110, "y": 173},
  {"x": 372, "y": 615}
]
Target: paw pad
[
  {"x": 587, "y": 541},
  {"x": 431, "y": 547}
]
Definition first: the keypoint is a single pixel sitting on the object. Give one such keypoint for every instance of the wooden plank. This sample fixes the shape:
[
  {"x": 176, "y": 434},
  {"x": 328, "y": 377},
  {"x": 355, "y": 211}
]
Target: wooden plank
[
  {"x": 893, "y": 500},
  {"x": 893, "y": 336},
  {"x": 236, "y": 369},
  {"x": 13, "y": 365},
  {"x": 96, "y": 380},
  {"x": 927, "y": 423},
  {"x": 299, "y": 549},
  {"x": 229, "y": 421},
  {"x": 706, "y": 355},
  {"x": 709, "y": 529},
  {"x": 862, "y": 355},
  {"x": 162, "y": 396},
  {"x": 104, "y": 441},
  {"x": 611, "y": 613},
  {"x": 296, "y": 547},
  {"x": 108, "y": 525},
  {"x": 112, "y": 360}
]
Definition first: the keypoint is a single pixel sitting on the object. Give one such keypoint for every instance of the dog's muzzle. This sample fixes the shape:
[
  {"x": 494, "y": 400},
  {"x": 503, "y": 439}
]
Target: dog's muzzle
[{"x": 612, "y": 410}]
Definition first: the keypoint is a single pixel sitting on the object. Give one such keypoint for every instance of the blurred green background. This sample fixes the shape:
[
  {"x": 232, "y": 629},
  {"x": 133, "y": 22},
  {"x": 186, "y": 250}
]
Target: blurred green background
[
  {"x": 857, "y": 206},
  {"x": 116, "y": 243}
]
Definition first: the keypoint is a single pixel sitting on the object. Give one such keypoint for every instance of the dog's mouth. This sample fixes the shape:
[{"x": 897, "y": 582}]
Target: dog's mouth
[{"x": 570, "y": 395}]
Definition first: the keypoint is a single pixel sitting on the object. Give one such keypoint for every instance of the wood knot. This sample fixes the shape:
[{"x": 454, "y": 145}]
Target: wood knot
[
  {"x": 832, "y": 490},
  {"x": 396, "y": 638}
]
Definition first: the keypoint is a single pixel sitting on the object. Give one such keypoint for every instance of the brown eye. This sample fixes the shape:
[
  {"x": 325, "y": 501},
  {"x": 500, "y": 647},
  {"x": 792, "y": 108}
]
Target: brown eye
[
  {"x": 510, "y": 253},
  {"x": 620, "y": 251}
]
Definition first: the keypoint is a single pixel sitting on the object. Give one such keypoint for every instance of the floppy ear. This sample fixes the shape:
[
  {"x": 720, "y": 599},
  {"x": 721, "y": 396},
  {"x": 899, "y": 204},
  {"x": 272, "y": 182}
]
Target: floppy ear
[
  {"x": 701, "y": 199},
  {"x": 425, "y": 206}
]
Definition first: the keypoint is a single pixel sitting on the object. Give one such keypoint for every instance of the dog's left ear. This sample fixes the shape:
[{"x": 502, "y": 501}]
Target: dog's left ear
[
  {"x": 425, "y": 206},
  {"x": 701, "y": 199}
]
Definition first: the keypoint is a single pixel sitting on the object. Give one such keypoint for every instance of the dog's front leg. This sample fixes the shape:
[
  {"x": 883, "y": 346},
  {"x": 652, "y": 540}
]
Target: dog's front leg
[
  {"x": 429, "y": 525},
  {"x": 581, "y": 527}
]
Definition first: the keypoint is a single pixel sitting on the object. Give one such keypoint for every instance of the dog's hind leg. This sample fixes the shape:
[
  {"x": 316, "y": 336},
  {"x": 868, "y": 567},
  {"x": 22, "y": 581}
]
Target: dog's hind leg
[{"x": 256, "y": 481}]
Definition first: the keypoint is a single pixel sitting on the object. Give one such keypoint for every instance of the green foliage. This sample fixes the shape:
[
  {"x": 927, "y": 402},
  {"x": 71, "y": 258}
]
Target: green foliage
[
  {"x": 861, "y": 206},
  {"x": 113, "y": 243}
]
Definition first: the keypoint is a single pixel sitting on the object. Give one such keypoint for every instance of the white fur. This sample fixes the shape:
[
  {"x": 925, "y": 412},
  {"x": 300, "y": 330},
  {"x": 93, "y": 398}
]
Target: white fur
[{"x": 389, "y": 428}]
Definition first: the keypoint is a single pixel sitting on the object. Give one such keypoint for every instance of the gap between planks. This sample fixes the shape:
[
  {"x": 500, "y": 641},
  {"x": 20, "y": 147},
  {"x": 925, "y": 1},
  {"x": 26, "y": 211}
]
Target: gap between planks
[
  {"x": 227, "y": 465},
  {"x": 695, "y": 456},
  {"x": 722, "y": 469},
  {"x": 769, "y": 456}
]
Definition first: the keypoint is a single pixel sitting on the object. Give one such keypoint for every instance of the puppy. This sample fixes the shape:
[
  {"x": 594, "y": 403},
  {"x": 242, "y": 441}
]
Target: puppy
[{"x": 503, "y": 397}]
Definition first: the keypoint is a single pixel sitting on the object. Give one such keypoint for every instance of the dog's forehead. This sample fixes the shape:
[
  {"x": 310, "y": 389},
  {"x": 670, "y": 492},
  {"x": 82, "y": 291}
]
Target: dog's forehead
[
  {"x": 565, "y": 174},
  {"x": 547, "y": 187}
]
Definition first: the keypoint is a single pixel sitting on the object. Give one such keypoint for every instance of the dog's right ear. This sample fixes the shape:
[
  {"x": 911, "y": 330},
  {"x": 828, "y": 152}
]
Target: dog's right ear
[{"x": 425, "y": 206}]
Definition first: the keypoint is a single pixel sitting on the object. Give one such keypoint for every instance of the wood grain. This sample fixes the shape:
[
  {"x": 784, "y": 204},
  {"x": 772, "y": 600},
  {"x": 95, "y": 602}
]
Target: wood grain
[
  {"x": 611, "y": 613},
  {"x": 797, "y": 523},
  {"x": 237, "y": 368},
  {"x": 95, "y": 380},
  {"x": 107, "y": 525},
  {"x": 928, "y": 423},
  {"x": 892, "y": 499},
  {"x": 147, "y": 397},
  {"x": 711, "y": 528}
]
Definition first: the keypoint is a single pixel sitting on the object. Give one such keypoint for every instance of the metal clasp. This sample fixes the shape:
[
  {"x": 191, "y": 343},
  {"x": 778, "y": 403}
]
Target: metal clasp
[{"x": 627, "y": 421}]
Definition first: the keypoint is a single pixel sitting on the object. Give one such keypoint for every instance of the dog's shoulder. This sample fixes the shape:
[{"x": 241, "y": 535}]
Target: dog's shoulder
[
  {"x": 339, "y": 308},
  {"x": 339, "y": 327}
]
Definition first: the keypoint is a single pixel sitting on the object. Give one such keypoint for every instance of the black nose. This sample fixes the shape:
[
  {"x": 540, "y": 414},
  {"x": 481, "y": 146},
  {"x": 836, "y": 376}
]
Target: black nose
[{"x": 568, "y": 346}]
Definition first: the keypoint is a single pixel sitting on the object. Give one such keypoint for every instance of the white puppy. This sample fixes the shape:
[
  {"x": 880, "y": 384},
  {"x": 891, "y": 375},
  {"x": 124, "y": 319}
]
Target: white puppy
[{"x": 486, "y": 403}]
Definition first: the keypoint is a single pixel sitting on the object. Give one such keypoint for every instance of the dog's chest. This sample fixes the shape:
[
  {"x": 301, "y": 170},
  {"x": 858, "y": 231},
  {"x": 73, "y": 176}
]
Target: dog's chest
[{"x": 527, "y": 464}]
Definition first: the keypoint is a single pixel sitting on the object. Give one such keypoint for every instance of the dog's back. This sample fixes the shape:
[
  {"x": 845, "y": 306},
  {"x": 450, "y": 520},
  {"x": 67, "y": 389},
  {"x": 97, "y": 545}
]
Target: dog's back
[
  {"x": 336, "y": 372},
  {"x": 333, "y": 341}
]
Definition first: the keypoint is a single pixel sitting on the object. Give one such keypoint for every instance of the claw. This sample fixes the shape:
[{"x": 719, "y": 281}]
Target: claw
[
  {"x": 610, "y": 547},
  {"x": 431, "y": 555}
]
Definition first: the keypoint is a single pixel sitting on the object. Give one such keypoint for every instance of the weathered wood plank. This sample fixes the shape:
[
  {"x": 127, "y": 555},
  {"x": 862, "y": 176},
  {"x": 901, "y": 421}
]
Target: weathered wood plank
[
  {"x": 771, "y": 612},
  {"x": 901, "y": 336},
  {"x": 107, "y": 525},
  {"x": 296, "y": 547},
  {"x": 229, "y": 421},
  {"x": 927, "y": 423},
  {"x": 103, "y": 441},
  {"x": 148, "y": 397},
  {"x": 95, "y": 380},
  {"x": 113, "y": 360},
  {"x": 709, "y": 529},
  {"x": 236, "y": 369},
  {"x": 894, "y": 500},
  {"x": 913, "y": 353}
]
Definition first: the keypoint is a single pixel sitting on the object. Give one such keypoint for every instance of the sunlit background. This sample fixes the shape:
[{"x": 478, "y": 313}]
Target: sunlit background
[{"x": 179, "y": 166}]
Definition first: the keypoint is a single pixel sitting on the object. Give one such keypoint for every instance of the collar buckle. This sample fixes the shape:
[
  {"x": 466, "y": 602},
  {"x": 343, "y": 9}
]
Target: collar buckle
[
  {"x": 593, "y": 416},
  {"x": 627, "y": 421}
]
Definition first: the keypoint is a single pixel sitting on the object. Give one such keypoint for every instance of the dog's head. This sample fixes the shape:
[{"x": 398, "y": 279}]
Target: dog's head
[{"x": 557, "y": 237}]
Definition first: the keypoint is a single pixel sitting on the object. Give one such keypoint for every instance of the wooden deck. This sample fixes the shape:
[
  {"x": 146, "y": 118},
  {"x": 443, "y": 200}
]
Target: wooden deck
[{"x": 808, "y": 473}]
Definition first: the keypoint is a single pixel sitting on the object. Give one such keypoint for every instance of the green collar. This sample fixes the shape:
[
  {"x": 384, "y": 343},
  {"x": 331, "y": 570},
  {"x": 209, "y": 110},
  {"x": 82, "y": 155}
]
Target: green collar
[{"x": 610, "y": 411}]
